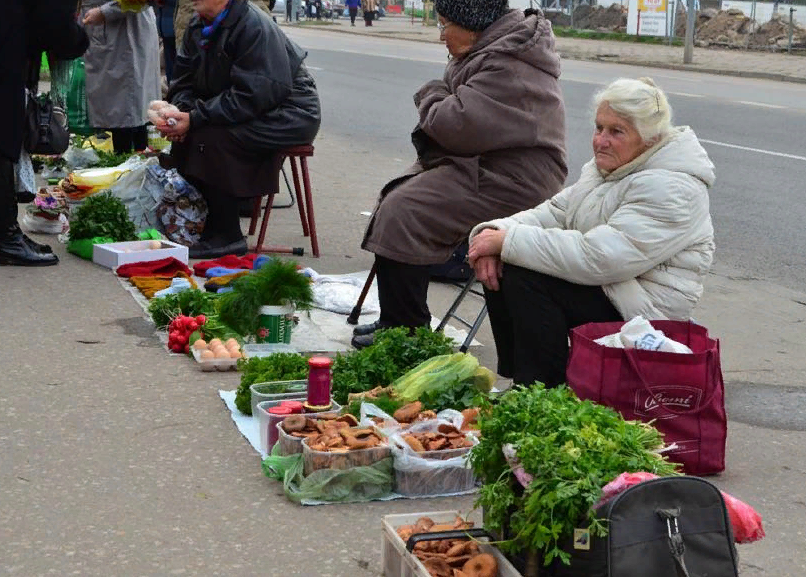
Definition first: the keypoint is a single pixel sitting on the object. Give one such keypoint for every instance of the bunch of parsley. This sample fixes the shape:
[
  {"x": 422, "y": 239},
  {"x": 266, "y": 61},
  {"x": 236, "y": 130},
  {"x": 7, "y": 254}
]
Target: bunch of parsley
[
  {"x": 102, "y": 215},
  {"x": 571, "y": 448}
]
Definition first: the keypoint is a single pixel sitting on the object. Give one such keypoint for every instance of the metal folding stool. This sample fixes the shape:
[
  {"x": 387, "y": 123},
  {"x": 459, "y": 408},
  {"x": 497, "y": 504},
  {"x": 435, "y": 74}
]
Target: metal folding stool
[{"x": 473, "y": 327}]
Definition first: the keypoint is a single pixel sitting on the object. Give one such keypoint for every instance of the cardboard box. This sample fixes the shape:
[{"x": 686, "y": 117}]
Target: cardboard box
[{"x": 114, "y": 254}]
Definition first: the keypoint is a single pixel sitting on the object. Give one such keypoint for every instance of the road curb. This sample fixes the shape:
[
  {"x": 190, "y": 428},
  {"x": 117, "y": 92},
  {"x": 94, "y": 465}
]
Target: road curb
[{"x": 596, "y": 58}]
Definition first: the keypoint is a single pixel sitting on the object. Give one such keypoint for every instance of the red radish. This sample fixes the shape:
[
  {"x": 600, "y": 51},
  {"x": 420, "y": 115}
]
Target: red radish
[
  {"x": 201, "y": 319},
  {"x": 194, "y": 326}
]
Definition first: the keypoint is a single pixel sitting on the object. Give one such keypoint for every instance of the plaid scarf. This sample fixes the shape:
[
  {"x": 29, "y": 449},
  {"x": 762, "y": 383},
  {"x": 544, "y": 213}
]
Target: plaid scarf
[{"x": 211, "y": 27}]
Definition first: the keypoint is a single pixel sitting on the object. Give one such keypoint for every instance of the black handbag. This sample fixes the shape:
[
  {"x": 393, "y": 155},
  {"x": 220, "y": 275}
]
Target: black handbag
[{"x": 46, "y": 129}]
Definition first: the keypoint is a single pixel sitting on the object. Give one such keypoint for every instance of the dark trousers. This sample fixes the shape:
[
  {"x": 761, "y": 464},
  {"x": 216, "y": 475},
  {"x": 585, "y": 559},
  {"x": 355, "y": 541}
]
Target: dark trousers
[
  {"x": 368, "y": 17},
  {"x": 403, "y": 293},
  {"x": 531, "y": 316},
  {"x": 223, "y": 214},
  {"x": 353, "y": 14},
  {"x": 129, "y": 139},
  {"x": 8, "y": 196},
  {"x": 169, "y": 52},
  {"x": 289, "y": 6}
]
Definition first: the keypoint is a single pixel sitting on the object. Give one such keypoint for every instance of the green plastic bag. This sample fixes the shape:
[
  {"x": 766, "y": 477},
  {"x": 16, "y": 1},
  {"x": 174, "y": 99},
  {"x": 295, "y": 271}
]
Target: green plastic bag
[
  {"x": 77, "y": 116},
  {"x": 82, "y": 247},
  {"x": 355, "y": 485}
]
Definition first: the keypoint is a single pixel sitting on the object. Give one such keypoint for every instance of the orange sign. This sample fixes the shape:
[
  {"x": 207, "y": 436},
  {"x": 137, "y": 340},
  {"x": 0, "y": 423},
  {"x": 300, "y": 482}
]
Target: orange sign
[{"x": 652, "y": 6}]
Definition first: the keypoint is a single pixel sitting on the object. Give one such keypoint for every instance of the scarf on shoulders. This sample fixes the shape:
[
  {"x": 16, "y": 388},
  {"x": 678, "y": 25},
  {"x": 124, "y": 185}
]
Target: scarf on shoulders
[{"x": 211, "y": 26}]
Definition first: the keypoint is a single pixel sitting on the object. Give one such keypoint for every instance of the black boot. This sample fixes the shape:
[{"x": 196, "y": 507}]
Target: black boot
[
  {"x": 217, "y": 247},
  {"x": 16, "y": 250},
  {"x": 370, "y": 328}
]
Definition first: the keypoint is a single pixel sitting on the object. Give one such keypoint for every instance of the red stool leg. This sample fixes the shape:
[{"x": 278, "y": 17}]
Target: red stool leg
[
  {"x": 264, "y": 224},
  {"x": 255, "y": 215},
  {"x": 298, "y": 190},
  {"x": 306, "y": 180}
]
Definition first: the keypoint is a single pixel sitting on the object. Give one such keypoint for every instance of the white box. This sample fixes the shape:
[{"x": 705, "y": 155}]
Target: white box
[
  {"x": 398, "y": 562},
  {"x": 114, "y": 254}
]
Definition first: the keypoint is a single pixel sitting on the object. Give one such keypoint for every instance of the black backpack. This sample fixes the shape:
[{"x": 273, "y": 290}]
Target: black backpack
[{"x": 669, "y": 527}]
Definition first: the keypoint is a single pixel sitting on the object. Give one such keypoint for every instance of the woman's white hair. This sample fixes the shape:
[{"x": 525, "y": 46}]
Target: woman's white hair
[{"x": 640, "y": 102}]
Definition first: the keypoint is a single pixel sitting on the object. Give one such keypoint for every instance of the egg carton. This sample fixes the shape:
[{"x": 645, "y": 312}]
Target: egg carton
[{"x": 208, "y": 365}]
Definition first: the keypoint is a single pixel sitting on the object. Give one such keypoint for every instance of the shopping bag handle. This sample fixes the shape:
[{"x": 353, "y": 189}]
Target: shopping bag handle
[
  {"x": 632, "y": 358},
  {"x": 443, "y": 535}
]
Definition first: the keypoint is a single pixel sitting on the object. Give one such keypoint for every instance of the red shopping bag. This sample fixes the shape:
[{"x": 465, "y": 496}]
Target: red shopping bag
[{"x": 683, "y": 393}]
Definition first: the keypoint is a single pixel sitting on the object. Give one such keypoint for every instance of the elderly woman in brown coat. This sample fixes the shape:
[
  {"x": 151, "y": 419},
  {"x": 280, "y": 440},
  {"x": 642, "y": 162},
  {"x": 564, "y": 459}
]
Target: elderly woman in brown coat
[{"x": 490, "y": 141}]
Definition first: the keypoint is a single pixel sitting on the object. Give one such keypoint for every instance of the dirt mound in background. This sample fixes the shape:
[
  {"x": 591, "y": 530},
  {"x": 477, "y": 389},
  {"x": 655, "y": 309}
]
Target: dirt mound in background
[
  {"x": 610, "y": 19},
  {"x": 776, "y": 33}
]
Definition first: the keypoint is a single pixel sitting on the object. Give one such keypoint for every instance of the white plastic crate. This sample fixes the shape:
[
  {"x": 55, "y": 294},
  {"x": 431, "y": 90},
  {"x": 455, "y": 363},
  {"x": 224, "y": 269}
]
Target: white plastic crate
[{"x": 398, "y": 562}]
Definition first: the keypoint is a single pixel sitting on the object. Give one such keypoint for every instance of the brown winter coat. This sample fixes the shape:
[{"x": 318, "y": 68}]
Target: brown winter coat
[{"x": 490, "y": 143}]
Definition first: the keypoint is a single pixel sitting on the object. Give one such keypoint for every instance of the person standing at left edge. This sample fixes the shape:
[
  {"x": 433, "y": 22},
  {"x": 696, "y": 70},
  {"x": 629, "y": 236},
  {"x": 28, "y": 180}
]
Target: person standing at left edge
[{"x": 27, "y": 28}]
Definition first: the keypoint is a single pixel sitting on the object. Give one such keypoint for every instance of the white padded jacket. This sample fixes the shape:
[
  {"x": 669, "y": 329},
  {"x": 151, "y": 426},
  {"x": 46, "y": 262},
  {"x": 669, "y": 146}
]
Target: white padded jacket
[{"x": 642, "y": 232}]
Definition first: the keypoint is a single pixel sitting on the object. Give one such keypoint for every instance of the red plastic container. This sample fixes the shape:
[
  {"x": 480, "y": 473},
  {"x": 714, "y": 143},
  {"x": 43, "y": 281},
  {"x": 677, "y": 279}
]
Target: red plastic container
[{"x": 276, "y": 414}]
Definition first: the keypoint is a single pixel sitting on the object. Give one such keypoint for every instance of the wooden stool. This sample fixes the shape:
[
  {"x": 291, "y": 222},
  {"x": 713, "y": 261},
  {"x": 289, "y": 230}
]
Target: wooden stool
[{"x": 304, "y": 203}]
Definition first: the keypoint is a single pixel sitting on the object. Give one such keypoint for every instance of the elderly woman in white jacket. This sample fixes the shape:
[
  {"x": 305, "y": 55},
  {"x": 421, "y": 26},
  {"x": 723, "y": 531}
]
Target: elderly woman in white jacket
[{"x": 633, "y": 236}]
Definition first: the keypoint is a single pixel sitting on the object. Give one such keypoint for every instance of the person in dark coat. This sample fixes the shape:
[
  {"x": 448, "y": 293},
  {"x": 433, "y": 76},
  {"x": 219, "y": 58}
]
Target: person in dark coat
[
  {"x": 27, "y": 28},
  {"x": 165, "y": 11},
  {"x": 490, "y": 140},
  {"x": 244, "y": 93},
  {"x": 352, "y": 6}
]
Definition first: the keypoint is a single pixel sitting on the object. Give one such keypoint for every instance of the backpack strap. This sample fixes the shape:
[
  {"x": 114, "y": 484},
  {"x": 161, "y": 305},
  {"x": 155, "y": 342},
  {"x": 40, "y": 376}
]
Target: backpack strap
[{"x": 676, "y": 545}]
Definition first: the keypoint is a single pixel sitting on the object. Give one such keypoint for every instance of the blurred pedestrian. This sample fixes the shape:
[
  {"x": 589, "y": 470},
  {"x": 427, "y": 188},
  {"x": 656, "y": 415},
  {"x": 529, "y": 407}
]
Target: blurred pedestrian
[
  {"x": 369, "y": 7},
  {"x": 123, "y": 71},
  {"x": 165, "y": 11},
  {"x": 289, "y": 6},
  {"x": 352, "y": 6},
  {"x": 28, "y": 28}
]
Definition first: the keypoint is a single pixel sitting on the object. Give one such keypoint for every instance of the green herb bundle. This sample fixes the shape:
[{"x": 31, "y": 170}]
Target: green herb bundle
[
  {"x": 191, "y": 302},
  {"x": 391, "y": 356},
  {"x": 277, "y": 283},
  {"x": 102, "y": 215},
  {"x": 276, "y": 367},
  {"x": 571, "y": 448}
]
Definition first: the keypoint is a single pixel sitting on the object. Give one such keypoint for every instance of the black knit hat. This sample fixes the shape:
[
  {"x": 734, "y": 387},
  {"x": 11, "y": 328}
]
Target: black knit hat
[{"x": 475, "y": 15}]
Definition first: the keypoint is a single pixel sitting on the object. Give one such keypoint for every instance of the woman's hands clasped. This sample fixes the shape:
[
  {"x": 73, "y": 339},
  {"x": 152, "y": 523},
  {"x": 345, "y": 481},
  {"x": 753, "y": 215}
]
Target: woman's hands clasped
[
  {"x": 485, "y": 257},
  {"x": 178, "y": 124}
]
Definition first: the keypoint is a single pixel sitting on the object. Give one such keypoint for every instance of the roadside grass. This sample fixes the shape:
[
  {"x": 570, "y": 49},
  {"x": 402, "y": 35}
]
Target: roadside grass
[{"x": 567, "y": 32}]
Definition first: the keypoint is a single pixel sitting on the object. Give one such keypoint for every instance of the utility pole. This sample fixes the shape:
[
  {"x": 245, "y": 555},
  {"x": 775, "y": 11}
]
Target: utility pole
[
  {"x": 691, "y": 18},
  {"x": 791, "y": 27}
]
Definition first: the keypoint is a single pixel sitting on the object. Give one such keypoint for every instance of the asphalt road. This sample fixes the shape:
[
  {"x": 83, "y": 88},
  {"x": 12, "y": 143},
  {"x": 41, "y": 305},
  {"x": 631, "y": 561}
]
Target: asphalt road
[{"x": 754, "y": 130}]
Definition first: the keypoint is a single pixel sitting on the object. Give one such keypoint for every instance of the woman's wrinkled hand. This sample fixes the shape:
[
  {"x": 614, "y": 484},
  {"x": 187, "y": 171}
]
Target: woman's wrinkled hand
[
  {"x": 489, "y": 242},
  {"x": 488, "y": 270},
  {"x": 93, "y": 17},
  {"x": 176, "y": 127}
]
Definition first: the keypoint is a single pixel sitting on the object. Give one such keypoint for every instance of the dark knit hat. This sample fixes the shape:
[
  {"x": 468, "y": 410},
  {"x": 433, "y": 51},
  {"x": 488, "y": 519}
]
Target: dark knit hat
[{"x": 475, "y": 15}]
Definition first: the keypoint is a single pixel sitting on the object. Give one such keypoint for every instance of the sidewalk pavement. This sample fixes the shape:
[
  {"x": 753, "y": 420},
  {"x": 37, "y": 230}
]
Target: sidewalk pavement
[{"x": 748, "y": 64}]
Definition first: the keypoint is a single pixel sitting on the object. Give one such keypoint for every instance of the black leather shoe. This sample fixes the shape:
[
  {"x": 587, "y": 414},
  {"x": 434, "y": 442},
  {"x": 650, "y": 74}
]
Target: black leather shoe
[
  {"x": 369, "y": 328},
  {"x": 15, "y": 251},
  {"x": 363, "y": 341},
  {"x": 37, "y": 246},
  {"x": 215, "y": 248}
]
